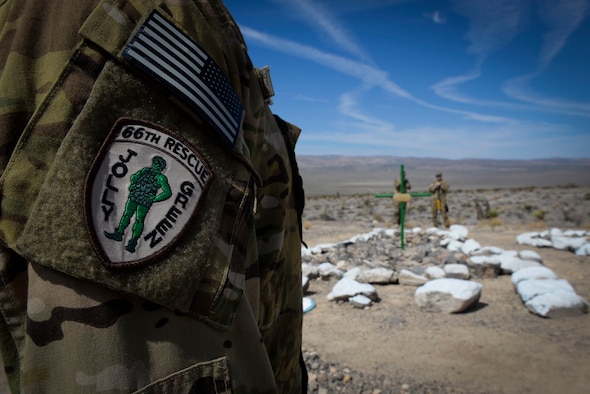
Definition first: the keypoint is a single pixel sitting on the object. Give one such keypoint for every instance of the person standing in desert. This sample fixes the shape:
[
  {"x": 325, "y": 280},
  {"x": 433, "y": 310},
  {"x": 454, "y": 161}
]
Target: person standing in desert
[{"x": 438, "y": 190}]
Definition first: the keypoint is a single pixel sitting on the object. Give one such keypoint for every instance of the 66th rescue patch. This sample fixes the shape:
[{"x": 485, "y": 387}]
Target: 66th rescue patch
[{"x": 141, "y": 192}]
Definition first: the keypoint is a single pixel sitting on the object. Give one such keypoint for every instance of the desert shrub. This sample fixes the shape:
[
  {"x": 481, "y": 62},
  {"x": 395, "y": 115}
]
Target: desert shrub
[
  {"x": 531, "y": 188},
  {"x": 586, "y": 197},
  {"x": 570, "y": 215},
  {"x": 492, "y": 214},
  {"x": 378, "y": 218},
  {"x": 495, "y": 222},
  {"x": 326, "y": 216},
  {"x": 540, "y": 214},
  {"x": 527, "y": 207},
  {"x": 421, "y": 208},
  {"x": 537, "y": 225}
]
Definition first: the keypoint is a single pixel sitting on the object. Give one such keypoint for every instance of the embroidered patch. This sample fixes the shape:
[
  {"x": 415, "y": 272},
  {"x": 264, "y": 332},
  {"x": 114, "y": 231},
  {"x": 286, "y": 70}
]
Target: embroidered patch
[
  {"x": 141, "y": 192},
  {"x": 168, "y": 55}
]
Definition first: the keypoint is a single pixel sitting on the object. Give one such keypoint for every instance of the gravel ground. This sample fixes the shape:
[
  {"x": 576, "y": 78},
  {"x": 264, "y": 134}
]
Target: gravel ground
[{"x": 326, "y": 377}]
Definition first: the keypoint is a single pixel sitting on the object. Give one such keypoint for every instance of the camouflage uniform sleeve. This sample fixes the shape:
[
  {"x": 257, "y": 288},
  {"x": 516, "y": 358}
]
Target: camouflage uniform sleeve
[
  {"x": 278, "y": 234},
  {"x": 200, "y": 292}
]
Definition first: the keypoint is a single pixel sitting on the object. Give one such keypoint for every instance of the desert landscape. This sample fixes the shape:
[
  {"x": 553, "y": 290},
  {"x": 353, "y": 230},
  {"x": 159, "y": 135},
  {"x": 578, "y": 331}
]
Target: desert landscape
[{"x": 498, "y": 346}]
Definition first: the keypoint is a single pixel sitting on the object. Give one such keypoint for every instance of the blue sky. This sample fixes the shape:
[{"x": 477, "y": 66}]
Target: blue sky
[{"x": 496, "y": 79}]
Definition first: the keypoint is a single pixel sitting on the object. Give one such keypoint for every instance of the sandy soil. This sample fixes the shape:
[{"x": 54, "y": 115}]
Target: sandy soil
[{"x": 496, "y": 347}]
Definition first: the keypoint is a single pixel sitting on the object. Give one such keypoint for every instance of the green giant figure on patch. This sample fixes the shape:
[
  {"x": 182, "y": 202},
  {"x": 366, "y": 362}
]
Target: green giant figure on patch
[{"x": 143, "y": 190}]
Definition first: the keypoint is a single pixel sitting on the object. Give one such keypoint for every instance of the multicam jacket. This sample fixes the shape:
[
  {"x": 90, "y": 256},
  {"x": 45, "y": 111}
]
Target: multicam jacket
[
  {"x": 150, "y": 204},
  {"x": 434, "y": 191}
]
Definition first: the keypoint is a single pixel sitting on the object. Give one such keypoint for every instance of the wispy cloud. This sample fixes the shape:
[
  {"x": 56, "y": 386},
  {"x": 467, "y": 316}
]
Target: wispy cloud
[
  {"x": 447, "y": 88},
  {"x": 371, "y": 135},
  {"x": 367, "y": 74},
  {"x": 303, "y": 97},
  {"x": 350, "y": 108},
  {"x": 534, "y": 140},
  {"x": 494, "y": 24},
  {"x": 322, "y": 19},
  {"x": 562, "y": 19},
  {"x": 519, "y": 88},
  {"x": 437, "y": 17}
]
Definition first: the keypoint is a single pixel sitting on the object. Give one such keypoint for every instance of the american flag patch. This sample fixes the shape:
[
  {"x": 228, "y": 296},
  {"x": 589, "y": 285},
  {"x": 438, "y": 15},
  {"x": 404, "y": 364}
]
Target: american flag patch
[{"x": 165, "y": 53}]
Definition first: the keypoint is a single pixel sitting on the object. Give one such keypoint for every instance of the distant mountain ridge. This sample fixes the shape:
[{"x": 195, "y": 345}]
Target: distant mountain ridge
[{"x": 375, "y": 174}]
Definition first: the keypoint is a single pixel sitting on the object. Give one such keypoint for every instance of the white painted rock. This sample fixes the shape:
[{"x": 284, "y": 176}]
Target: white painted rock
[
  {"x": 530, "y": 255},
  {"x": 455, "y": 246},
  {"x": 489, "y": 250},
  {"x": 347, "y": 287},
  {"x": 456, "y": 231},
  {"x": 353, "y": 273},
  {"x": 529, "y": 289},
  {"x": 329, "y": 270},
  {"x": 311, "y": 271},
  {"x": 485, "y": 266},
  {"x": 408, "y": 278},
  {"x": 510, "y": 265},
  {"x": 568, "y": 243},
  {"x": 532, "y": 273},
  {"x": 533, "y": 239},
  {"x": 434, "y": 273},
  {"x": 360, "y": 301},
  {"x": 557, "y": 304},
  {"x": 380, "y": 275},
  {"x": 492, "y": 259},
  {"x": 470, "y": 246},
  {"x": 447, "y": 295},
  {"x": 457, "y": 271}
]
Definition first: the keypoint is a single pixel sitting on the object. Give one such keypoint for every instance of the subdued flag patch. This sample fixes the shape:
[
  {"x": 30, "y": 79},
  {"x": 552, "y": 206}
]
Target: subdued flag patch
[
  {"x": 141, "y": 192},
  {"x": 168, "y": 55}
]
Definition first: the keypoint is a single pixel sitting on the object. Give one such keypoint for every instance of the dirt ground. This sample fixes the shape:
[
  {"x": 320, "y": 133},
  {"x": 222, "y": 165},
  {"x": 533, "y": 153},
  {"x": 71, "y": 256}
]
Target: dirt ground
[{"x": 496, "y": 347}]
